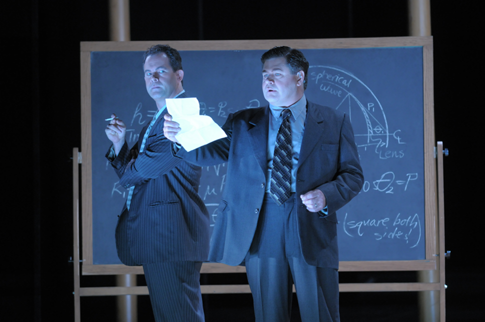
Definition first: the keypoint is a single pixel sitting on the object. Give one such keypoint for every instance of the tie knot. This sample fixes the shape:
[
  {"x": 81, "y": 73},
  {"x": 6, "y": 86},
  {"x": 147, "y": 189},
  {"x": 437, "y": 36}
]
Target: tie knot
[{"x": 285, "y": 113}]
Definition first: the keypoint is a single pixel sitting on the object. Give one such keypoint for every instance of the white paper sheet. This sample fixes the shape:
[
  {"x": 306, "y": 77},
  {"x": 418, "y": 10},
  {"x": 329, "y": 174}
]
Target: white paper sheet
[{"x": 197, "y": 130}]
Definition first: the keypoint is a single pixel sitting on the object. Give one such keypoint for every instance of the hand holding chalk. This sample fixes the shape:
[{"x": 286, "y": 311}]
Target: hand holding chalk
[{"x": 116, "y": 131}]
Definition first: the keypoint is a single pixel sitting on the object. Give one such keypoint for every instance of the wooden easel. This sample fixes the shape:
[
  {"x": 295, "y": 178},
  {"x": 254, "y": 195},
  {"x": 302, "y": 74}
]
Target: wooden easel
[{"x": 433, "y": 160}]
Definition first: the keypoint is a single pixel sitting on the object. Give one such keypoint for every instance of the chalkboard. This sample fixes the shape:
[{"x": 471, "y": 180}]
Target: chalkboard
[{"x": 381, "y": 87}]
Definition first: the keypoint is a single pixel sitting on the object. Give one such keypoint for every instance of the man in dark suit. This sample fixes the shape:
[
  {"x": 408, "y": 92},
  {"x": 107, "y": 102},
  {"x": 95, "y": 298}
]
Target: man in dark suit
[
  {"x": 164, "y": 225},
  {"x": 291, "y": 166}
]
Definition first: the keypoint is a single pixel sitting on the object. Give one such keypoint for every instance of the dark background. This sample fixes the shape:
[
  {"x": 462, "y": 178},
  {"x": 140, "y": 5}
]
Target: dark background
[{"x": 40, "y": 98}]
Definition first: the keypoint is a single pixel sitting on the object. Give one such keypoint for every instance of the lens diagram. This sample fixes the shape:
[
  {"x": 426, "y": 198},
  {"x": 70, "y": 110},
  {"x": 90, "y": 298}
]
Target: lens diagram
[{"x": 343, "y": 91}]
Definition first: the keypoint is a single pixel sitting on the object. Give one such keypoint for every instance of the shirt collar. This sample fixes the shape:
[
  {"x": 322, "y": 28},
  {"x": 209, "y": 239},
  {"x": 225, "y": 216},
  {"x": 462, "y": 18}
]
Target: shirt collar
[{"x": 296, "y": 109}]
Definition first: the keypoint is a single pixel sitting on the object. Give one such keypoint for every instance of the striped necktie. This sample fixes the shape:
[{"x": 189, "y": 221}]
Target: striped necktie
[{"x": 281, "y": 174}]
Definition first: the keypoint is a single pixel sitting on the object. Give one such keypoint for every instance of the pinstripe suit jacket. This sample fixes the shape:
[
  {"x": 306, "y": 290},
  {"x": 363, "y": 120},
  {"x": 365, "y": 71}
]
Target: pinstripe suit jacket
[
  {"x": 328, "y": 161},
  {"x": 167, "y": 220}
]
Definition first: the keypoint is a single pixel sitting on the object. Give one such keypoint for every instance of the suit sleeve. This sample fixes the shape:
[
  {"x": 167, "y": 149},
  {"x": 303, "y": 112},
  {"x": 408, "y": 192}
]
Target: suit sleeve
[
  {"x": 120, "y": 161},
  {"x": 154, "y": 161},
  {"x": 349, "y": 178},
  {"x": 213, "y": 153}
]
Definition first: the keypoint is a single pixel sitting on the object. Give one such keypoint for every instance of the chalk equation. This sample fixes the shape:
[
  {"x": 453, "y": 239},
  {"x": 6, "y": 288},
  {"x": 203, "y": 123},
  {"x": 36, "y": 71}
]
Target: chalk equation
[
  {"x": 405, "y": 228},
  {"x": 212, "y": 189},
  {"x": 212, "y": 208},
  {"x": 222, "y": 110},
  {"x": 207, "y": 191},
  {"x": 387, "y": 182},
  {"x": 138, "y": 117}
]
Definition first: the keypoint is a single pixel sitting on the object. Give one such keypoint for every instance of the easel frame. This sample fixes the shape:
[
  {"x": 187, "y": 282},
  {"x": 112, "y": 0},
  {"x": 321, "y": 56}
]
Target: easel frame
[{"x": 434, "y": 202}]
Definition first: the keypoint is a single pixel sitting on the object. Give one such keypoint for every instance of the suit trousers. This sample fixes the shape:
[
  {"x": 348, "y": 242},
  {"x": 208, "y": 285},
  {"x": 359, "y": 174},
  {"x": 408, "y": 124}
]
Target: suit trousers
[
  {"x": 275, "y": 262},
  {"x": 174, "y": 289}
]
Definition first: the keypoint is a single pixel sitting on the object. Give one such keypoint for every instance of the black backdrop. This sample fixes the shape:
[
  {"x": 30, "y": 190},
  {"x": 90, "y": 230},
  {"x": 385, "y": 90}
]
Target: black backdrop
[{"x": 41, "y": 104}]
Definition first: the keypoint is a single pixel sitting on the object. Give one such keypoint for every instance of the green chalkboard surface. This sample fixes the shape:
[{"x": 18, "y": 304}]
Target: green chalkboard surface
[{"x": 382, "y": 88}]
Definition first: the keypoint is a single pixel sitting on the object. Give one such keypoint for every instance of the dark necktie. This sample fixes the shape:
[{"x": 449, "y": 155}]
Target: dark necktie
[{"x": 281, "y": 174}]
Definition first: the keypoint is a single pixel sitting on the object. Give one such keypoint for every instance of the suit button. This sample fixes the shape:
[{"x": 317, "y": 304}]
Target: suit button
[
  {"x": 256, "y": 211},
  {"x": 262, "y": 185}
]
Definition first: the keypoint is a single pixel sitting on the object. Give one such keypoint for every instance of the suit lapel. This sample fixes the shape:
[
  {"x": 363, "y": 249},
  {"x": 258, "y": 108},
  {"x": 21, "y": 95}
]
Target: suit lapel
[
  {"x": 258, "y": 134},
  {"x": 314, "y": 130}
]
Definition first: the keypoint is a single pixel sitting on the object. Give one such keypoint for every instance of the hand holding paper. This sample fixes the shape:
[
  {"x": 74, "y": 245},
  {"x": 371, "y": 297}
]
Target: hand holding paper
[{"x": 196, "y": 130}]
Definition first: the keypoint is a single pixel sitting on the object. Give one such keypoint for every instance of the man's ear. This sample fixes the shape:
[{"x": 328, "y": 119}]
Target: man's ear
[
  {"x": 301, "y": 78},
  {"x": 180, "y": 75}
]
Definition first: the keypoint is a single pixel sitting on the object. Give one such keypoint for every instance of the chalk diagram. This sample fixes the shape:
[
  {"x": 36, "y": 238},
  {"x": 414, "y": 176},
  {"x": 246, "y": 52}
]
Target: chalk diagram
[
  {"x": 344, "y": 91},
  {"x": 337, "y": 88}
]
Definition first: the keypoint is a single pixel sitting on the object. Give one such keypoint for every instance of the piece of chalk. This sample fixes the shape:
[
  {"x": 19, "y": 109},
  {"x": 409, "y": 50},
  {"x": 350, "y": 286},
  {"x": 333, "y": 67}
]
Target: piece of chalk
[{"x": 111, "y": 119}]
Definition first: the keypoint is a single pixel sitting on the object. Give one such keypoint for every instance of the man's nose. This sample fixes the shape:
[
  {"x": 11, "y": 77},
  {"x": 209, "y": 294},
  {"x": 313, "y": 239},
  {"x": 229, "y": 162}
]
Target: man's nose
[
  {"x": 155, "y": 77},
  {"x": 270, "y": 79}
]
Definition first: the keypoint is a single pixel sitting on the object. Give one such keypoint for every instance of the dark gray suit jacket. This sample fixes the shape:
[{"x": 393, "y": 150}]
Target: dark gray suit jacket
[
  {"x": 328, "y": 161},
  {"x": 167, "y": 220}
]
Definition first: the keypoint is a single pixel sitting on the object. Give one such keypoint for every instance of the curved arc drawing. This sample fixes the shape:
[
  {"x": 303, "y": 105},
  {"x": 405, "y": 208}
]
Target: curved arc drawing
[{"x": 375, "y": 125}]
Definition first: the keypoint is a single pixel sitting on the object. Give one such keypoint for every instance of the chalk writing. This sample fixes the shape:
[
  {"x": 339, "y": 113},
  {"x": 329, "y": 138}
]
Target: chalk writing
[
  {"x": 212, "y": 188},
  {"x": 386, "y": 181},
  {"x": 223, "y": 182},
  {"x": 397, "y": 137},
  {"x": 401, "y": 228},
  {"x": 253, "y": 104},
  {"x": 131, "y": 136},
  {"x": 355, "y": 98},
  {"x": 381, "y": 145},
  {"x": 137, "y": 115},
  {"x": 331, "y": 90},
  {"x": 203, "y": 108},
  {"x": 151, "y": 113},
  {"x": 215, "y": 168},
  {"x": 213, "y": 211},
  {"x": 222, "y": 110},
  {"x": 117, "y": 188},
  {"x": 222, "y": 106},
  {"x": 334, "y": 78},
  {"x": 209, "y": 191}
]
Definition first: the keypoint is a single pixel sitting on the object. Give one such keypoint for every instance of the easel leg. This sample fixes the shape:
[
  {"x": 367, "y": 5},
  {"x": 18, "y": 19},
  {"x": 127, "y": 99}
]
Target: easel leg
[
  {"x": 432, "y": 304},
  {"x": 75, "y": 213},
  {"x": 441, "y": 228},
  {"x": 429, "y": 300},
  {"x": 127, "y": 304}
]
